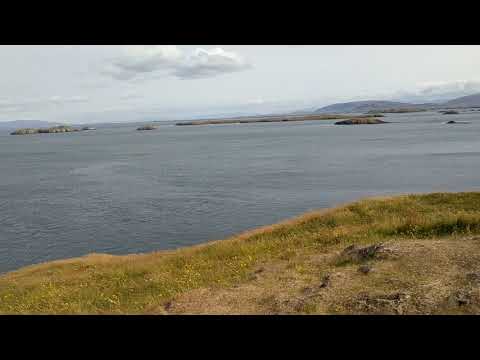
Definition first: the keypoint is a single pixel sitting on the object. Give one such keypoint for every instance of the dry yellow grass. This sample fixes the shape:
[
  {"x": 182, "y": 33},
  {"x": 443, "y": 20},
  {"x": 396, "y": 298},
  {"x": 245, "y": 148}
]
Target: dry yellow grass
[{"x": 431, "y": 263}]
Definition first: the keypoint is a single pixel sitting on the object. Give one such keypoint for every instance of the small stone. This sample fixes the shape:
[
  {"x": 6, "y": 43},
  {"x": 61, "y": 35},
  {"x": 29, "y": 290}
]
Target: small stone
[
  {"x": 460, "y": 298},
  {"x": 463, "y": 301},
  {"x": 168, "y": 306},
  {"x": 473, "y": 277},
  {"x": 364, "y": 269},
  {"x": 325, "y": 281}
]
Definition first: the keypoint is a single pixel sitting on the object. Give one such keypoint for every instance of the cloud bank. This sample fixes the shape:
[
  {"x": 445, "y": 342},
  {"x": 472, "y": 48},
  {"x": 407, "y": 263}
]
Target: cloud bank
[
  {"x": 448, "y": 87},
  {"x": 55, "y": 100},
  {"x": 440, "y": 90},
  {"x": 10, "y": 106},
  {"x": 139, "y": 61}
]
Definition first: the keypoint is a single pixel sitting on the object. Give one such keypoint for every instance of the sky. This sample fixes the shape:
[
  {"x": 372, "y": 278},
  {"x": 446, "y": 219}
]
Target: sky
[{"x": 92, "y": 84}]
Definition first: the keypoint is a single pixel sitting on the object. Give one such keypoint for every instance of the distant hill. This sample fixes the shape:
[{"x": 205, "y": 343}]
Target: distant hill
[
  {"x": 361, "y": 106},
  {"x": 464, "y": 101},
  {"x": 379, "y": 105},
  {"x": 18, "y": 124}
]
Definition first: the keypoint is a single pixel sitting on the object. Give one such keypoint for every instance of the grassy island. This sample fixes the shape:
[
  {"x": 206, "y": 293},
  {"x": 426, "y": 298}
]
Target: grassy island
[
  {"x": 411, "y": 254},
  {"x": 268, "y": 119}
]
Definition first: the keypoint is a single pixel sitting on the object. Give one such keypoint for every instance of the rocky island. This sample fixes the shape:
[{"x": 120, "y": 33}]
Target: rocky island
[{"x": 52, "y": 130}]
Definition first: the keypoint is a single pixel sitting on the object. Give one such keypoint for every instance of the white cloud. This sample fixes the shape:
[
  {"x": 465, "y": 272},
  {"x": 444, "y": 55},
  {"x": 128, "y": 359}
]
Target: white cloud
[
  {"x": 138, "y": 61},
  {"x": 143, "y": 59},
  {"x": 207, "y": 63}
]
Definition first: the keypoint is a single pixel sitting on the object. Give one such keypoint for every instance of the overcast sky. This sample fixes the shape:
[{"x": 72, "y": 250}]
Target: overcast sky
[{"x": 129, "y": 83}]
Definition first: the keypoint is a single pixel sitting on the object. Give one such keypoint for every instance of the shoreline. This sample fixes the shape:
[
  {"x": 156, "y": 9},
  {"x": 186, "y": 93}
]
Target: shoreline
[
  {"x": 276, "y": 268},
  {"x": 240, "y": 235}
]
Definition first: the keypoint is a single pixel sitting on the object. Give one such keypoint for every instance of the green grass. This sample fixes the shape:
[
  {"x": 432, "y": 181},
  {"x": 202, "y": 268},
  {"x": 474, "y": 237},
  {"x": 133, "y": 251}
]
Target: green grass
[{"x": 141, "y": 283}]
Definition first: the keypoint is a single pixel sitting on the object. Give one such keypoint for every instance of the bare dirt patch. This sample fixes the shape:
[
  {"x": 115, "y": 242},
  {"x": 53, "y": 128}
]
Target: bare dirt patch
[{"x": 409, "y": 277}]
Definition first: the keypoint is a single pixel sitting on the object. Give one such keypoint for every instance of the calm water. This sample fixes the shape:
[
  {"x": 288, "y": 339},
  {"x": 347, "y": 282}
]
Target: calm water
[{"x": 116, "y": 190}]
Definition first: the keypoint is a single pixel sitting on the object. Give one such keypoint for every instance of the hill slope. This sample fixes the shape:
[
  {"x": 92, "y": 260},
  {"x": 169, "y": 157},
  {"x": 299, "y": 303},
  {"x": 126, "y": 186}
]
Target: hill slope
[
  {"x": 465, "y": 101},
  {"x": 411, "y": 254},
  {"x": 361, "y": 106},
  {"x": 379, "y": 105}
]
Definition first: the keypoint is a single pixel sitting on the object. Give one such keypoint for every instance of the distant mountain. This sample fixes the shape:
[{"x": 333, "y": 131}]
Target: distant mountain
[
  {"x": 464, "y": 101},
  {"x": 18, "y": 124},
  {"x": 379, "y": 105}
]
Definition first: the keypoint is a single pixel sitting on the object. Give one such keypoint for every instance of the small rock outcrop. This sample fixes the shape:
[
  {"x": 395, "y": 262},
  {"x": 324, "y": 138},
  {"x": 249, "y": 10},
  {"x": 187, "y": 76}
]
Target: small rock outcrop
[
  {"x": 457, "y": 122},
  {"x": 360, "y": 254},
  {"x": 146, "y": 127}
]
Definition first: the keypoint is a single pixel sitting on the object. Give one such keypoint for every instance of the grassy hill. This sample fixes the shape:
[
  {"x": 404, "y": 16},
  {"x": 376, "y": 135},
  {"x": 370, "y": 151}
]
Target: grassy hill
[
  {"x": 411, "y": 254},
  {"x": 375, "y": 106},
  {"x": 464, "y": 101},
  {"x": 362, "y": 106}
]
